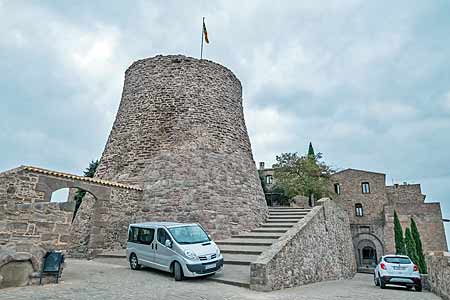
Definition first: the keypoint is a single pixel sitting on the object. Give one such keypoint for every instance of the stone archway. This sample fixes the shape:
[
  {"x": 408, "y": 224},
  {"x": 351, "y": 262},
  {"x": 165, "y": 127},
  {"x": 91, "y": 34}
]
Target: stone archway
[{"x": 368, "y": 251}]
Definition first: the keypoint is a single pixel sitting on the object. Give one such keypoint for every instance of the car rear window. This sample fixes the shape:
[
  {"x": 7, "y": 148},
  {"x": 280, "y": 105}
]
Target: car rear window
[{"x": 397, "y": 260}]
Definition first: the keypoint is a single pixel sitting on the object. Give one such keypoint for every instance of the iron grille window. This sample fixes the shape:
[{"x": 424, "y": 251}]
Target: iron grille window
[
  {"x": 359, "y": 210},
  {"x": 365, "y": 188}
]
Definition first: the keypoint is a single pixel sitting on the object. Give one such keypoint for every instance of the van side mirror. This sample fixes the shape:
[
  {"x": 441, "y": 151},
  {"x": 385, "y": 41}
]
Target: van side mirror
[
  {"x": 209, "y": 236},
  {"x": 168, "y": 243}
]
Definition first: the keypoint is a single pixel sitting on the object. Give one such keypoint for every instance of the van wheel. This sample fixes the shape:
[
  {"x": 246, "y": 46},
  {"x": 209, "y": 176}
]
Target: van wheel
[
  {"x": 177, "y": 271},
  {"x": 418, "y": 287},
  {"x": 134, "y": 264}
]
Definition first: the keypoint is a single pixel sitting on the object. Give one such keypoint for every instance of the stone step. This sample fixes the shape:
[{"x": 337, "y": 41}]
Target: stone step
[
  {"x": 238, "y": 275},
  {"x": 113, "y": 254},
  {"x": 238, "y": 259},
  {"x": 258, "y": 235},
  {"x": 277, "y": 225},
  {"x": 273, "y": 217},
  {"x": 270, "y": 220},
  {"x": 271, "y": 230},
  {"x": 288, "y": 213},
  {"x": 246, "y": 242},
  {"x": 241, "y": 249},
  {"x": 288, "y": 208}
]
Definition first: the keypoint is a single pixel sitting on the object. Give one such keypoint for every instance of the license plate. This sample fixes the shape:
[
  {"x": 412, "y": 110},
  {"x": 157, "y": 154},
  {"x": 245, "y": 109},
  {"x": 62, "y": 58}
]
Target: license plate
[{"x": 211, "y": 266}]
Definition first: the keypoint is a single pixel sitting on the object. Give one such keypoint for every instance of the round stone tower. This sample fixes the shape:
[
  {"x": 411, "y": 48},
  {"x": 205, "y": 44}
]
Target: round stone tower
[{"x": 180, "y": 134}]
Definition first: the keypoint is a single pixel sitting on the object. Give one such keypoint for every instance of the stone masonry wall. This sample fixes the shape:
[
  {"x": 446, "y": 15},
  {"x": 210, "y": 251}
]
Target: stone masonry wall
[
  {"x": 180, "y": 134},
  {"x": 405, "y": 193},
  {"x": 428, "y": 217},
  {"x": 25, "y": 214},
  {"x": 439, "y": 273},
  {"x": 351, "y": 193},
  {"x": 101, "y": 225},
  {"x": 318, "y": 248}
]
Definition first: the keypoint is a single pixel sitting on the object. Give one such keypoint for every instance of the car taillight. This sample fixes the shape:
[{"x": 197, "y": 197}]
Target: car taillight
[
  {"x": 383, "y": 266},
  {"x": 416, "y": 269}
]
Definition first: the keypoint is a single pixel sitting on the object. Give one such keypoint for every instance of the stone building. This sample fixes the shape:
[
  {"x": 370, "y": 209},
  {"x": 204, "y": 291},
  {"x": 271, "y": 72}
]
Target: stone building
[
  {"x": 370, "y": 205},
  {"x": 180, "y": 134}
]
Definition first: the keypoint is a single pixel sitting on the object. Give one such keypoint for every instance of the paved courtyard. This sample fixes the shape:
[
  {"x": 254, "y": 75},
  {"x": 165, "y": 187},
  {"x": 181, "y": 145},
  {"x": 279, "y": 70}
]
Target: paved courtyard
[{"x": 112, "y": 279}]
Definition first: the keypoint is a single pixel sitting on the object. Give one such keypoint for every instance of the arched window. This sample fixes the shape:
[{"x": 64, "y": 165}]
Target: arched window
[{"x": 359, "y": 210}]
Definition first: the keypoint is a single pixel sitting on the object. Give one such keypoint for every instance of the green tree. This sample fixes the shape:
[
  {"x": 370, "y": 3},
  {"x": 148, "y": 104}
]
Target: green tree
[
  {"x": 301, "y": 175},
  {"x": 79, "y": 194},
  {"x": 410, "y": 246},
  {"x": 398, "y": 234},
  {"x": 311, "y": 153},
  {"x": 421, "y": 262}
]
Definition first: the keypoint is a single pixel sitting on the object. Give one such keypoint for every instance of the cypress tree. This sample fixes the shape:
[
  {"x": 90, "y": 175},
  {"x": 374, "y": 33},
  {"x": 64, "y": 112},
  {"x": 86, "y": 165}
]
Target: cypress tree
[
  {"x": 311, "y": 153},
  {"x": 398, "y": 234},
  {"x": 410, "y": 246},
  {"x": 421, "y": 263}
]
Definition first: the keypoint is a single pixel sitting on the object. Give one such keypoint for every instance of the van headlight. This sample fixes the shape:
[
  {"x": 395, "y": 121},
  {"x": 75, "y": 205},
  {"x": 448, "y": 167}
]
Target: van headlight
[{"x": 190, "y": 254}]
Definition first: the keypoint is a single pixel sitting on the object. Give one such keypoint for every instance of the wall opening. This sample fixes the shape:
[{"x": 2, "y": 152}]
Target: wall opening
[{"x": 61, "y": 195}]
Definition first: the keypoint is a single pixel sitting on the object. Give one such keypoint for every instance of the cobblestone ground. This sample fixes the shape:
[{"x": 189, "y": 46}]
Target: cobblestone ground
[{"x": 111, "y": 279}]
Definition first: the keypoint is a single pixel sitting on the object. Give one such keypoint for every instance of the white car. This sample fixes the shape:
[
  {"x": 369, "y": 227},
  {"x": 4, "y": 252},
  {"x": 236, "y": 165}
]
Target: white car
[{"x": 397, "y": 270}]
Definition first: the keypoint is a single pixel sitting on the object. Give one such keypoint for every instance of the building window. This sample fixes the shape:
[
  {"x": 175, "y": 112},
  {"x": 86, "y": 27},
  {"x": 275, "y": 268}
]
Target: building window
[
  {"x": 269, "y": 179},
  {"x": 365, "y": 188},
  {"x": 359, "y": 210},
  {"x": 337, "y": 188}
]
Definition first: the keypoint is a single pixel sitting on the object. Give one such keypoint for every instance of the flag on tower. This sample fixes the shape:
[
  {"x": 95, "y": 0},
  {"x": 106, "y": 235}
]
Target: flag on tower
[{"x": 205, "y": 32}]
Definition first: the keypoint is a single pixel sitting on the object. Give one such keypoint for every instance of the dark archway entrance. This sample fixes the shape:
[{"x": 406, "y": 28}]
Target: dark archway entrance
[{"x": 366, "y": 256}]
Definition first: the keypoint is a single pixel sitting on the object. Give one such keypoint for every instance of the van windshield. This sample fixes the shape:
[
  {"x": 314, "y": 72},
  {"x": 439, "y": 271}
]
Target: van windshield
[
  {"x": 190, "y": 234},
  {"x": 397, "y": 260}
]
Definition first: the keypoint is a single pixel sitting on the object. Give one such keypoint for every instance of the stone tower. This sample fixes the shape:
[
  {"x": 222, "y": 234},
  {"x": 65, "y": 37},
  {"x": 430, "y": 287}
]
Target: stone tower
[{"x": 180, "y": 134}]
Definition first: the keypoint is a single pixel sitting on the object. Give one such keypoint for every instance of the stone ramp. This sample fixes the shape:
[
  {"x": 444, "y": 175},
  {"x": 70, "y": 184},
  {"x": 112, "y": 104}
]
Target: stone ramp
[{"x": 241, "y": 250}]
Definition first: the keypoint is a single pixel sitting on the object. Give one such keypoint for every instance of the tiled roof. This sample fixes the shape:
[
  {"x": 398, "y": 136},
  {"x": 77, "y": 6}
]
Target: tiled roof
[{"x": 81, "y": 178}]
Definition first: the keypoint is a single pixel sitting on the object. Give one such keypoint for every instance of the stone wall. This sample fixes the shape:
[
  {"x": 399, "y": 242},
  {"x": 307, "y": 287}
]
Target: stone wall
[
  {"x": 351, "y": 193},
  {"x": 439, "y": 273},
  {"x": 428, "y": 218},
  {"x": 180, "y": 134},
  {"x": 318, "y": 248},
  {"x": 405, "y": 193}
]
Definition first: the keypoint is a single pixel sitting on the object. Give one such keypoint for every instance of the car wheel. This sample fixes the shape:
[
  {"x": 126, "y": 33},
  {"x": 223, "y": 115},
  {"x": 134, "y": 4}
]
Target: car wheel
[
  {"x": 381, "y": 281},
  {"x": 177, "y": 271},
  {"x": 418, "y": 287},
  {"x": 134, "y": 264},
  {"x": 375, "y": 280}
]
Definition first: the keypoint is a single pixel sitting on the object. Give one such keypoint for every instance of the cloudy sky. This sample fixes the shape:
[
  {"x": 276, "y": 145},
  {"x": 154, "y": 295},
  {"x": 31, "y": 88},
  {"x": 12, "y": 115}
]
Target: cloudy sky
[{"x": 368, "y": 82}]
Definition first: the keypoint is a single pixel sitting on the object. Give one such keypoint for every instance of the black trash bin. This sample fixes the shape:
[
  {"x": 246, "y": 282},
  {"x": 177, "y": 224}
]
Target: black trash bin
[{"x": 53, "y": 261}]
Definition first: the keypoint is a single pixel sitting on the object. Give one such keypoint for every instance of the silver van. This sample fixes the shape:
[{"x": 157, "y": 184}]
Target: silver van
[{"x": 181, "y": 249}]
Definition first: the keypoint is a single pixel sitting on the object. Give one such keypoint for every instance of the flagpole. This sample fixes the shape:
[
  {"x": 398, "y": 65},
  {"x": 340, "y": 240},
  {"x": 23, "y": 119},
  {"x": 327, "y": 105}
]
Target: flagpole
[{"x": 201, "y": 51}]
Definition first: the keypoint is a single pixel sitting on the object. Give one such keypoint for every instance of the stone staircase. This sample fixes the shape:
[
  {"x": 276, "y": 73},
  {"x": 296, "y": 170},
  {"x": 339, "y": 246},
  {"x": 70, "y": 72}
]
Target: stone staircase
[{"x": 241, "y": 250}]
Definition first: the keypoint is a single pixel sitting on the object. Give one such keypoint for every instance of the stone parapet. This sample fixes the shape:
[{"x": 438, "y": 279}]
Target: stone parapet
[
  {"x": 317, "y": 248},
  {"x": 439, "y": 273}
]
